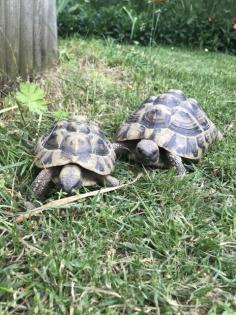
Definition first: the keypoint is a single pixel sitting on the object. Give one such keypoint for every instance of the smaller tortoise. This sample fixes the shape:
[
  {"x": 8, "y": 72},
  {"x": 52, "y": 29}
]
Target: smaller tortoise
[
  {"x": 73, "y": 154},
  {"x": 166, "y": 129}
]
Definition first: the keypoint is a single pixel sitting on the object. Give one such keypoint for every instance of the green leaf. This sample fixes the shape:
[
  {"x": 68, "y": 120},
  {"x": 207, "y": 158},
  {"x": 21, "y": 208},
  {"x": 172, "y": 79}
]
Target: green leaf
[
  {"x": 32, "y": 97},
  {"x": 59, "y": 114}
]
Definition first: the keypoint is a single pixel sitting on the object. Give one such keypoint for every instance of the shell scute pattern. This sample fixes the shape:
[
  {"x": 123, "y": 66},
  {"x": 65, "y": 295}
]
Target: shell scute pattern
[
  {"x": 100, "y": 166},
  {"x": 84, "y": 129},
  {"x": 191, "y": 148},
  {"x": 53, "y": 139},
  {"x": 167, "y": 100},
  {"x": 148, "y": 100},
  {"x": 177, "y": 94},
  {"x": 71, "y": 141},
  {"x": 133, "y": 118},
  {"x": 183, "y": 123},
  {"x": 100, "y": 148},
  {"x": 174, "y": 122},
  {"x": 201, "y": 142},
  {"x": 62, "y": 124},
  {"x": 47, "y": 158},
  {"x": 157, "y": 117},
  {"x": 195, "y": 110},
  {"x": 208, "y": 138},
  {"x": 72, "y": 126}
]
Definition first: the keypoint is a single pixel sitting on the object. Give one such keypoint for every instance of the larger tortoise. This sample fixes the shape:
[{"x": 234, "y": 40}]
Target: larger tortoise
[
  {"x": 165, "y": 129},
  {"x": 73, "y": 154}
]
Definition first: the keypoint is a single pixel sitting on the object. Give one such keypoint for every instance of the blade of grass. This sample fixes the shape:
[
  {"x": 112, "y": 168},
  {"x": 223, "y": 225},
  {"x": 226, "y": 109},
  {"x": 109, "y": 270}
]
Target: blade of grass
[
  {"x": 64, "y": 201},
  {"x": 4, "y": 110}
]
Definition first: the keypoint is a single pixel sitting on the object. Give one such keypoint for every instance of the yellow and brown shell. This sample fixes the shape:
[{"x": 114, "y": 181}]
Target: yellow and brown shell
[
  {"x": 174, "y": 122},
  {"x": 71, "y": 141}
]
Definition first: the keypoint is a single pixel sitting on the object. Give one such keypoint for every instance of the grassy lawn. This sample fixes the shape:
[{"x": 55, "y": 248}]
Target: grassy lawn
[{"x": 162, "y": 246}]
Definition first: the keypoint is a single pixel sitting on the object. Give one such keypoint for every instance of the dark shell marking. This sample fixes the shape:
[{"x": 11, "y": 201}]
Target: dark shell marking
[
  {"x": 183, "y": 123},
  {"x": 177, "y": 94},
  {"x": 174, "y": 122},
  {"x": 82, "y": 143},
  {"x": 192, "y": 147},
  {"x": 167, "y": 99},
  {"x": 201, "y": 143},
  {"x": 156, "y": 117}
]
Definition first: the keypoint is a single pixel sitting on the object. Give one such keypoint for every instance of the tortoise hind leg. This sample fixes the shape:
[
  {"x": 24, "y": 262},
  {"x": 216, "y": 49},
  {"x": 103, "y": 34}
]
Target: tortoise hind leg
[
  {"x": 91, "y": 179},
  {"x": 177, "y": 162},
  {"x": 41, "y": 182},
  {"x": 108, "y": 181}
]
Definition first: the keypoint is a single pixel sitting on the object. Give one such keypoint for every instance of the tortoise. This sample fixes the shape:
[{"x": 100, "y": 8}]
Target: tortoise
[
  {"x": 165, "y": 130},
  {"x": 72, "y": 154}
]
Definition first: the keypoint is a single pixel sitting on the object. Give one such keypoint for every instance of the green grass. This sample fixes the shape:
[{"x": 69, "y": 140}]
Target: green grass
[{"x": 162, "y": 246}]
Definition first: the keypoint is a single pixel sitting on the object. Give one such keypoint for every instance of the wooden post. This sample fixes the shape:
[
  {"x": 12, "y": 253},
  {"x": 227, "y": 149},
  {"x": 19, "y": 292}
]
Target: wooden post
[{"x": 28, "y": 37}]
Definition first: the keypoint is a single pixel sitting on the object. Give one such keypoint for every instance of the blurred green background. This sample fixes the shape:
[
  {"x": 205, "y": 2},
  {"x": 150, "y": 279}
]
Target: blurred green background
[{"x": 208, "y": 24}]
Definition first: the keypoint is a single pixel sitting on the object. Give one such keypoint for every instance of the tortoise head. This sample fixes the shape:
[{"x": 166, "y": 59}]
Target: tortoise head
[
  {"x": 70, "y": 177},
  {"x": 147, "y": 152}
]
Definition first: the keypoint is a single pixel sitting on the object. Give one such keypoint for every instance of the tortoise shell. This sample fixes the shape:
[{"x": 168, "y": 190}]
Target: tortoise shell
[
  {"x": 71, "y": 141},
  {"x": 175, "y": 122}
]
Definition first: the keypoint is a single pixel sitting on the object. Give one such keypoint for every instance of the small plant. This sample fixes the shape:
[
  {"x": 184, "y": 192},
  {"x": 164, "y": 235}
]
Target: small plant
[
  {"x": 133, "y": 20},
  {"x": 59, "y": 114},
  {"x": 32, "y": 98}
]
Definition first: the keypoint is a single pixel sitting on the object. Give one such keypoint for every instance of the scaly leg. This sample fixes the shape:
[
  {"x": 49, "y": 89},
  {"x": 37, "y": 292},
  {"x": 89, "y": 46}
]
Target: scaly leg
[
  {"x": 91, "y": 179},
  {"x": 176, "y": 161},
  {"x": 41, "y": 182},
  {"x": 39, "y": 188},
  {"x": 108, "y": 181},
  {"x": 121, "y": 149}
]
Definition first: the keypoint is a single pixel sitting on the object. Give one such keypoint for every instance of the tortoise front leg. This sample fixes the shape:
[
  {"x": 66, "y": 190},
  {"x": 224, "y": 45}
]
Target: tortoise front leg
[
  {"x": 39, "y": 187},
  {"x": 177, "y": 162},
  {"x": 41, "y": 182},
  {"x": 120, "y": 149}
]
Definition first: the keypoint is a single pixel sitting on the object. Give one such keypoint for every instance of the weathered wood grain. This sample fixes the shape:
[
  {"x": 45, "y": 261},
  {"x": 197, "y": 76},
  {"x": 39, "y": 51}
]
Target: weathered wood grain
[
  {"x": 37, "y": 35},
  {"x": 2, "y": 40},
  {"x": 28, "y": 36},
  {"x": 12, "y": 36},
  {"x": 52, "y": 32}
]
